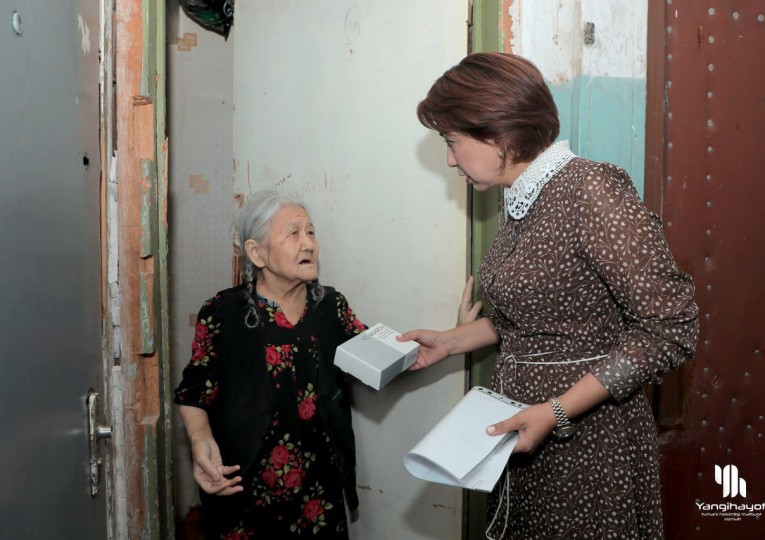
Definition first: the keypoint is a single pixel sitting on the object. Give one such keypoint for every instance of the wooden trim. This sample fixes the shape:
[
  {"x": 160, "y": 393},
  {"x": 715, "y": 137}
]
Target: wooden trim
[
  {"x": 654, "y": 118},
  {"x": 165, "y": 483},
  {"x": 144, "y": 452}
]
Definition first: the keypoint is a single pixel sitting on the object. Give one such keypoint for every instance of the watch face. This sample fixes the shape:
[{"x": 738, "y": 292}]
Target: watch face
[{"x": 565, "y": 432}]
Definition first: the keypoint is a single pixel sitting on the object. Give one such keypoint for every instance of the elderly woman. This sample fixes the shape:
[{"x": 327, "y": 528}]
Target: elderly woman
[
  {"x": 587, "y": 305},
  {"x": 265, "y": 409}
]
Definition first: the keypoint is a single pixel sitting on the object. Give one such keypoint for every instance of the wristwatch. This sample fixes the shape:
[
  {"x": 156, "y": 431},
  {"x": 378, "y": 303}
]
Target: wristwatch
[{"x": 564, "y": 428}]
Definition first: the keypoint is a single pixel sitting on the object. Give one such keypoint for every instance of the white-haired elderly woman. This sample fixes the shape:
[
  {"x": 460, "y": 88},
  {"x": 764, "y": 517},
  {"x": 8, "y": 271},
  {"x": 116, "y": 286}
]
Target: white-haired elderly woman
[{"x": 265, "y": 409}]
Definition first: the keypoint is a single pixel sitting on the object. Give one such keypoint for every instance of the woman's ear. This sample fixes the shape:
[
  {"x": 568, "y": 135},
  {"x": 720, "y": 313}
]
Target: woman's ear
[{"x": 253, "y": 252}]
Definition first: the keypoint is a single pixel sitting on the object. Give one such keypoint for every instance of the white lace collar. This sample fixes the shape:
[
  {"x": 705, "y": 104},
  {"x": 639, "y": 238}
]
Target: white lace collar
[{"x": 521, "y": 195}]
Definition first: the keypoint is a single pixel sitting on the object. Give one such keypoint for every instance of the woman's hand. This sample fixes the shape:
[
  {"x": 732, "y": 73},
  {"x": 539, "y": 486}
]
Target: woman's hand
[
  {"x": 432, "y": 349},
  {"x": 533, "y": 425},
  {"x": 467, "y": 311},
  {"x": 209, "y": 471}
]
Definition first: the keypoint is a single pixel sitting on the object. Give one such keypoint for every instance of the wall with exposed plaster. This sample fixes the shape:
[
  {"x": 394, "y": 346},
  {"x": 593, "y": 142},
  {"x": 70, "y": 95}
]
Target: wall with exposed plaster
[
  {"x": 325, "y": 97},
  {"x": 593, "y": 55},
  {"x": 200, "y": 167}
]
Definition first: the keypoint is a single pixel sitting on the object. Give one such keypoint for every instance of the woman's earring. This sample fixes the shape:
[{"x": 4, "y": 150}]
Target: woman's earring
[{"x": 501, "y": 153}]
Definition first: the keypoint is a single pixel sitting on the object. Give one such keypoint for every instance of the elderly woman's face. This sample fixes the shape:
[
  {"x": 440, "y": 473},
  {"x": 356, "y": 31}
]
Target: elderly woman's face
[{"x": 292, "y": 252}]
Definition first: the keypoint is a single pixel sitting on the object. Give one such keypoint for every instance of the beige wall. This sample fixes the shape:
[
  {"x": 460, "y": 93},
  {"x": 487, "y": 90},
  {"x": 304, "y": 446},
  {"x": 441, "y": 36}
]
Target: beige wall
[{"x": 199, "y": 123}]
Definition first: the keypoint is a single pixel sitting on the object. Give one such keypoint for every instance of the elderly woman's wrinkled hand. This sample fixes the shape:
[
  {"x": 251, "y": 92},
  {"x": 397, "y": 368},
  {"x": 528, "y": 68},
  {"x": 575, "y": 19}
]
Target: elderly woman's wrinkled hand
[
  {"x": 209, "y": 471},
  {"x": 467, "y": 311}
]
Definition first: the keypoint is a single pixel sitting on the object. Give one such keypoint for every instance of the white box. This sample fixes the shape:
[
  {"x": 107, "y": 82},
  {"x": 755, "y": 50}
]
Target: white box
[{"x": 375, "y": 357}]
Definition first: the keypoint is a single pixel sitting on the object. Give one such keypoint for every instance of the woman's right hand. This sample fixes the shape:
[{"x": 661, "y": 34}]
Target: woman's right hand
[
  {"x": 467, "y": 312},
  {"x": 432, "y": 349},
  {"x": 209, "y": 471}
]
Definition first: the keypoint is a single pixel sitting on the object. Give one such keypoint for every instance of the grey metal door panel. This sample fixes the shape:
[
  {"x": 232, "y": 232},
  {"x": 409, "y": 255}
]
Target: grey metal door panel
[{"x": 50, "y": 282}]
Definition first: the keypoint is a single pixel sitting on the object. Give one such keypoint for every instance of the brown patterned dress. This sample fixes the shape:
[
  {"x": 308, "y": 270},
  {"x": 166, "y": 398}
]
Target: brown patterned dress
[{"x": 586, "y": 273}]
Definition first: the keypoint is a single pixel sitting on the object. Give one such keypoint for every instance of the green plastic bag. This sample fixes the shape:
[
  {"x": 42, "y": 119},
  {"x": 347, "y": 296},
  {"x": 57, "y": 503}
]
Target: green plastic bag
[{"x": 215, "y": 15}]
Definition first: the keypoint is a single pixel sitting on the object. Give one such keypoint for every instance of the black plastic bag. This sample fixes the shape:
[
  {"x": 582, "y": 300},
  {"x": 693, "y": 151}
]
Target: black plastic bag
[{"x": 215, "y": 15}]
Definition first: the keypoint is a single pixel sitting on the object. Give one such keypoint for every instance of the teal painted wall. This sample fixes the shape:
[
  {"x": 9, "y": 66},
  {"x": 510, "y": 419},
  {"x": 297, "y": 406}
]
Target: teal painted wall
[{"x": 604, "y": 120}]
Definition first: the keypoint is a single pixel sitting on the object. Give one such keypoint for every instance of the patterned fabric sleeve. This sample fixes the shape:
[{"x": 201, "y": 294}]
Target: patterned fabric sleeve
[
  {"x": 349, "y": 324},
  {"x": 199, "y": 385},
  {"x": 624, "y": 243}
]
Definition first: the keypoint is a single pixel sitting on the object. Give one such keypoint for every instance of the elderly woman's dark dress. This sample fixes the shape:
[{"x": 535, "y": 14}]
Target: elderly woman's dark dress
[
  {"x": 277, "y": 408},
  {"x": 582, "y": 281}
]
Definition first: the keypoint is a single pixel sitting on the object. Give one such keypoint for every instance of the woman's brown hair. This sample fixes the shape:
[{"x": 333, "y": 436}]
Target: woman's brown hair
[{"x": 494, "y": 96}]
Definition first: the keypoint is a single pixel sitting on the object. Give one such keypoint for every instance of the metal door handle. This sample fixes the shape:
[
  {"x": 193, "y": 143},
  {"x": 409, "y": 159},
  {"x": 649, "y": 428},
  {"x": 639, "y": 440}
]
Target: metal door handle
[
  {"x": 96, "y": 433},
  {"x": 103, "y": 432}
]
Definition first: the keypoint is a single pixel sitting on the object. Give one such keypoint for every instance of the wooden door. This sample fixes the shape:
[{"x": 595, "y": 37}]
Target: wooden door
[{"x": 706, "y": 154}]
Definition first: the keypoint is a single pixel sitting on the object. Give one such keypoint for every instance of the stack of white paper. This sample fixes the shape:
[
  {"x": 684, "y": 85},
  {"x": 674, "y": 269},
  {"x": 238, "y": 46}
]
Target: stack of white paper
[{"x": 458, "y": 451}]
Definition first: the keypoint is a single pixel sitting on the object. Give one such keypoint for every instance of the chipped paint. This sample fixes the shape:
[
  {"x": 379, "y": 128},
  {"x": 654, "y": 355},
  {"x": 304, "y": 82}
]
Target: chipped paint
[
  {"x": 142, "y": 127},
  {"x": 147, "y": 313},
  {"x": 199, "y": 184},
  {"x": 148, "y": 217},
  {"x": 82, "y": 26},
  {"x": 165, "y": 156},
  {"x": 132, "y": 371},
  {"x": 148, "y": 39},
  {"x": 187, "y": 42},
  {"x": 551, "y": 34},
  {"x": 599, "y": 86},
  {"x": 510, "y": 12},
  {"x": 112, "y": 258}
]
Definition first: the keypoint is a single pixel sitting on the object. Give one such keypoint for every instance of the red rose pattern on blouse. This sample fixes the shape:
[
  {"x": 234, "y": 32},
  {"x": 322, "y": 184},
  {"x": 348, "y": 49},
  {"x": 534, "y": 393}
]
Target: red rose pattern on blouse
[
  {"x": 314, "y": 509},
  {"x": 280, "y": 358}
]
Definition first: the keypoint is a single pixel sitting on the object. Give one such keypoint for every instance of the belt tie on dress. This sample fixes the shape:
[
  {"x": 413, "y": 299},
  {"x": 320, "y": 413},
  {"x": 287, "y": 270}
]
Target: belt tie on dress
[{"x": 514, "y": 359}]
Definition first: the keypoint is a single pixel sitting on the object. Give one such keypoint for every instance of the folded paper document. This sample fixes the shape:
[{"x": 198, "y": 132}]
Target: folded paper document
[
  {"x": 458, "y": 451},
  {"x": 375, "y": 356}
]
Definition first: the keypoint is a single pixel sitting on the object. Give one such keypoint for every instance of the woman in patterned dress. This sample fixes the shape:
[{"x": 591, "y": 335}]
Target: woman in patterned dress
[
  {"x": 265, "y": 409},
  {"x": 587, "y": 305}
]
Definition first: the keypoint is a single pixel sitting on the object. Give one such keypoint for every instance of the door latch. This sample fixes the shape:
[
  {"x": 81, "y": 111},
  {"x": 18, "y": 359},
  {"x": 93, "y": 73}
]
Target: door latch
[{"x": 96, "y": 433}]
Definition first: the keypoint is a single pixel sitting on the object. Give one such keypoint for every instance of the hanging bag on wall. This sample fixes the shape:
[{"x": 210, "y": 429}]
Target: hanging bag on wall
[{"x": 215, "y": 15}]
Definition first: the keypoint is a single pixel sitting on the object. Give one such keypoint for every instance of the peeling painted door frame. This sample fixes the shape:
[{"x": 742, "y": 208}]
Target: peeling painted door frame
[{"x": 134, "y": 209}]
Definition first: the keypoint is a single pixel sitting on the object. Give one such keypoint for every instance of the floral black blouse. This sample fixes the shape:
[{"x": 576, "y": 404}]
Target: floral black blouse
[{"x": 294, "y": 489}]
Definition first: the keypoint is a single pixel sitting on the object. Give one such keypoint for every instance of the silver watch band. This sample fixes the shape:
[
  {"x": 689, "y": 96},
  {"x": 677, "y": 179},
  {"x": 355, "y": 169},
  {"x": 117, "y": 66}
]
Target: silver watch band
[{"x": 564, "y": 427}]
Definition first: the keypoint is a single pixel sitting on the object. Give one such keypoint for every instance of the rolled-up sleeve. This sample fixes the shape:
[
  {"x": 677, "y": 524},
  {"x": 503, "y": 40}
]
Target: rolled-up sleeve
[{"x": 623, "y": 242}]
